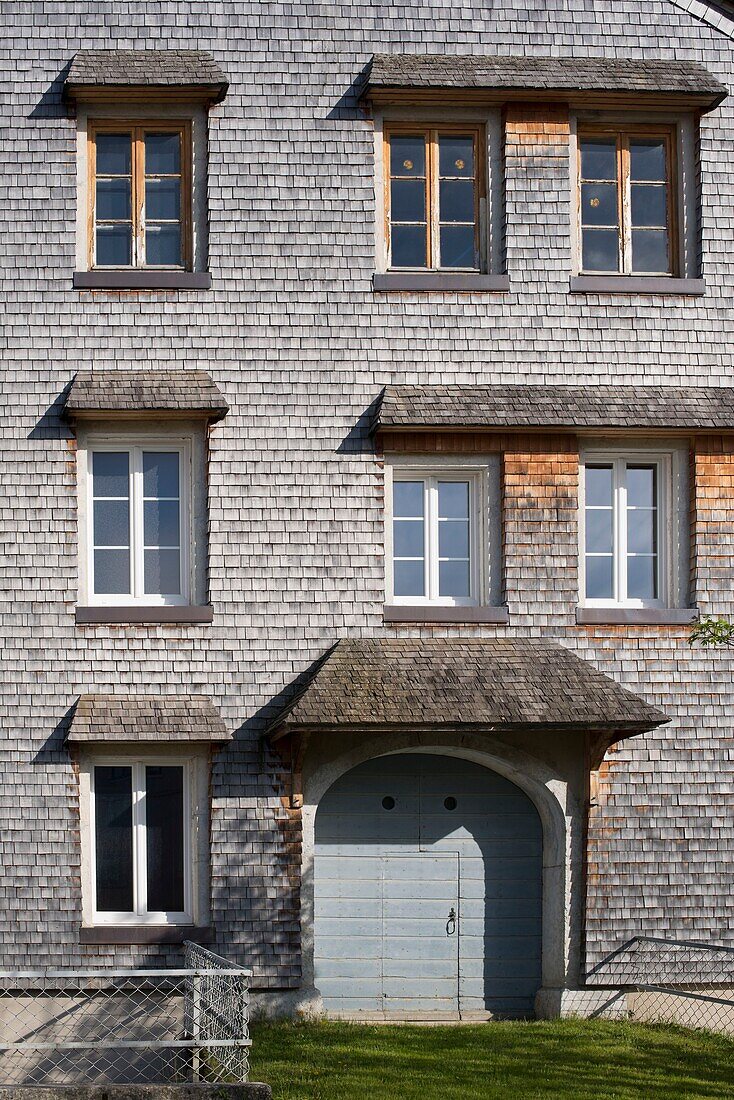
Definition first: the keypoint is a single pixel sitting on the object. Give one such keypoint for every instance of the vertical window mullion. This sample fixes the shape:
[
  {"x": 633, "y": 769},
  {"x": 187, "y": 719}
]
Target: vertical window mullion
[
  {"x": 139, "y": 879},
  {"x": 626, "y": 199},
  {"x": 621, "y": 522},
  {"x": 434, "y": 260},
  {"x": 432, "y": 537},
  {"x": 137, "y": 521},
  {"x": 138, "y": 196}
]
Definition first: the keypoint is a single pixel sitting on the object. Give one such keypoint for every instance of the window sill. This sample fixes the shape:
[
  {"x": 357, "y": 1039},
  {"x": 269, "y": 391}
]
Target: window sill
[
  {"x": 635, "y": 284},
  {"x": 142, "y": 934},
  {"x": 637, "y": 616},
  {"x": 438, "y": 280},
  {"x": 399, "y": 613},
  {"x": 142, "y": 280},
  {"x": 132, "y": 614}
]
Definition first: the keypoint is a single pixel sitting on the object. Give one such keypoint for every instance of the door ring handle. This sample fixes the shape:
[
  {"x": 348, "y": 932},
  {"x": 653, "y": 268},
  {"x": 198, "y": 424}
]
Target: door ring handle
[{"x": 451, "y": 922}]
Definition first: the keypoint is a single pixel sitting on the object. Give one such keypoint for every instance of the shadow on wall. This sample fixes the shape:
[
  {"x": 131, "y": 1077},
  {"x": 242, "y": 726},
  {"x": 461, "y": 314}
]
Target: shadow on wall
[
  {"x": 52, "y": 103},
  {"x": 359, "y": 438},
  {"x": 52, "y": 424}
]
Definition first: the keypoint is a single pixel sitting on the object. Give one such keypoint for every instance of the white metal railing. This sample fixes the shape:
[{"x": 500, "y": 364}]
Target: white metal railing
[{"x": 126, "y": 1026}]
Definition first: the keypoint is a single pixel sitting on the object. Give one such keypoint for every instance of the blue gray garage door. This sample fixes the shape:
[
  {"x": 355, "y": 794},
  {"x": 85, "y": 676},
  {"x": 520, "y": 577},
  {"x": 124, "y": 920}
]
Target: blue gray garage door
[{"x": 427, "y": 882}]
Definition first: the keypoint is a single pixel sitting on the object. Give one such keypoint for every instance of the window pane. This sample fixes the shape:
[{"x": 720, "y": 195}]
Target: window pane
[
  {"x": 641, "y": 524},
  {"x": 455, "y": 155},
  {"x": 598, "y": 486},
  {"x": 647, "y": 159},
  {"x": 457, "y": 246},
  {"x": 161, "y": 523},
  {"x": 453, "y": 538},
  {"x": 162, "y": 154},
  {"x": 599, "y": 527},
  {"x": 456, "y": 201},
  {"x": 641, "y": 487},
  {"x": 164, "y": 835},
  {"x": 453, "y": 499},
  {"x": 641, "y": 578},
  {"x": 599, "y": 578},
  {"x": 408, "y": 246},
  {"x": 408, "y": 538},
  {"x": 113, "y": 154},
  {"x": 110, "y": 473},
  {"x": 162, "y": 245},
  {"x": 408, "y": 578},
  {"x": 111, "y": 523},
  {"x": 113, "y": 199},
  {"x": 162, "y": 572},
  {"x": 600, "y": 250},
  {"x": 453, "y": 578},
  {"x": 163, "y": 199},
  {"x": 160, "y": 474},
  {"x": 408, "y": 498},
  {"x": 408, "y": 200},
  {"x": 599, "y": 203},
  {"x": 598, "y": 159},
  {"x": 407, "y": 155},
  {"x": 649, "y": 204},
  {"x": 113, "y": 839},
  {"x": 649, "y": 250},
  {"x": 114, "y": 245},
  {"x": 111, "y": 572}
]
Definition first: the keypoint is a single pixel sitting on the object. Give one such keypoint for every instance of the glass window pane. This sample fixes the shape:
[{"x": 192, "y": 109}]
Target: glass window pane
[
  {"x": 408, "y": 538},
  {"x": 111, "y": 523},
  {"x": 162, "y": 154},
  {"x": 641, "y": 530},
  {"x": 113, "y": 839},
  {"x": 647, "y": 159},
  {"x": 599, "y": 578},
  {"x": 453, "y": 538},
  {"x": 600, "y": 250},
  {"x": 408, "y": 246},
  {"x": 641, "y": 486},
  {"x": 457, "y": 246},
  {"x": 641, "y": 578},
  {"x": 456, "y": 201},
  {"x": 453, "y": 579},
  {"x": 599, "y": 204},
  {"x": 114, "y": 245},
  {"x": 650, "y": 250},
  {"x": 598, "y": 486},
  {"x": 111, "y": 572},
  {"x": 113, "y": 199},
  {"x": 163, "y": 199},
  {"x": 408, "y": 578},
  {"x": 164, "y": 836},
  {"x": 111, "y": 473},
  {"x": 113, "y": 154},
  {"x": 408, "y": 499},
  {"x": 453, "y": 499},
  {"x": 598, "y": 159},
  {"x": 162, "y": 572},
  {"x": 407, "y": 155},
  {"x": 162, "y": 245},
  {"x": 160, "y": 474},
  {"x": 649, "y": 204},
  {"x": 599, "y": 527},
  {"x": 408, "y": 200},
  {"x": 161, "y": 526},
  {"x": 455, "y": 155}
]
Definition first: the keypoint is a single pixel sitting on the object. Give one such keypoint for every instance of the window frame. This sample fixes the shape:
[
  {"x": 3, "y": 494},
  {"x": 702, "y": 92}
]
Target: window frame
[
  {"x": 432, "y": 131},
  {"x": 622, "y": 133},
  {"x": 136, "y": 596},
  {"x": 138, "y": 916},
  {"x": 137, "y": 129},
  {"x": 663, "y": 462}
]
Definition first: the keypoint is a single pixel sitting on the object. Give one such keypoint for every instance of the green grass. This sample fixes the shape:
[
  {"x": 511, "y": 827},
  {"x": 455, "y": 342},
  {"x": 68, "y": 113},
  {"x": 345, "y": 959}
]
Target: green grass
[{"x": 574, "y": 1059}]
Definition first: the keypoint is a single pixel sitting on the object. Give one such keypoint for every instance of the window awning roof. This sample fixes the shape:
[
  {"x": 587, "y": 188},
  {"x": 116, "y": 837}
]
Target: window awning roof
[
  {"x": 558, "y": 408},
  {"x": 120, "y": 74},
  {"x": 146, "y": 718},
  {"x": 139, "y": 393},
  {"x": 569, "y": 79}
]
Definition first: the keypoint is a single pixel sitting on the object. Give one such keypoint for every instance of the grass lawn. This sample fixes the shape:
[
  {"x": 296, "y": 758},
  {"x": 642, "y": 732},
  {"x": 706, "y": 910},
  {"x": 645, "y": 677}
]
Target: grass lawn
[{"x": 576, "y": 1059}]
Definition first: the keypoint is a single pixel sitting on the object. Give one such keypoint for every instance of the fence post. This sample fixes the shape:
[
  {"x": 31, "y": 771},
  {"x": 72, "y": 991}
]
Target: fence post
[{"x": 196, "y": 1027}]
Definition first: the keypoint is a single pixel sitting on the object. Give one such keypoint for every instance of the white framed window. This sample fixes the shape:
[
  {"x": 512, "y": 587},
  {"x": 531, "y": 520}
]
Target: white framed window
[
  {"x": 138, "y": 529},
  {"x": 140, "y": 840}
]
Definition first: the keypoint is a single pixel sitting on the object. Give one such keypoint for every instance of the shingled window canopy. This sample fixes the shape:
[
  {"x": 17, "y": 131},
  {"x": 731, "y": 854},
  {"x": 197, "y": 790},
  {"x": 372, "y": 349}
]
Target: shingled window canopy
[
  {"x": 125, "y": 394},
  {"x": 155, "y": 719},
  {"x": 145, "y": 75}
]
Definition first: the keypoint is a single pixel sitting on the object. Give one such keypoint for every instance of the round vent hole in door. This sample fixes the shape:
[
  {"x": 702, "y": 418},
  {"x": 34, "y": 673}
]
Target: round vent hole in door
[
  {"x": 388, "y": 802},
  {"x": 450, "y": 803}
]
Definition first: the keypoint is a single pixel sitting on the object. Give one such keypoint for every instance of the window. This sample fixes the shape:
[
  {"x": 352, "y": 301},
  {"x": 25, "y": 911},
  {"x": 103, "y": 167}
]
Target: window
[
  {"x": 627, "y": 202},
  {"x": 138, "y": 536},
  {"x": 141, "y": 838},
  {"x": 140, "y": 188},
  {"x": 434, "y": 184},
  {"x": 625, "y": 537}
]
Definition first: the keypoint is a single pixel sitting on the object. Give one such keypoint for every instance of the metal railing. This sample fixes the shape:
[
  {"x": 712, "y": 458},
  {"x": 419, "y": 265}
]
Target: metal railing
[{"x": 126, "y": 1026}]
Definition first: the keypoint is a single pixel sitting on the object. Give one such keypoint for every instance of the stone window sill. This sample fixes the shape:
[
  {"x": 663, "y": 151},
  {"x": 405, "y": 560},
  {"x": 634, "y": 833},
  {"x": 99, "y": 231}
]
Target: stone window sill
[
  {"x": 145, "y": 933},
  {"x": 637, "y": 616},
  {"x": 393, "y": 613},
  {"x": 132, "y": 614},
  {"x": 142, "y": 280},
  {"x": 634, "y": 284},
  {"x": 466, "y": 281}
]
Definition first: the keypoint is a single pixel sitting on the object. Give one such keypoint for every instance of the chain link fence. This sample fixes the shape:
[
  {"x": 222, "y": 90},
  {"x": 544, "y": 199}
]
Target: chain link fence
[{"x": 126, "y": 1026}]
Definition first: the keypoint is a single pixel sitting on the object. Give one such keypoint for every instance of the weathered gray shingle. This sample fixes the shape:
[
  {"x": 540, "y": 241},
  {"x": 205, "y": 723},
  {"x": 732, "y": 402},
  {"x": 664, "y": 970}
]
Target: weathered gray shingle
[
  {"x": 104, "y": 718},
  {"x": 117, "y": 391},
  {"x": 634, "y": 408},
  {"x": 142, "y": 68}
]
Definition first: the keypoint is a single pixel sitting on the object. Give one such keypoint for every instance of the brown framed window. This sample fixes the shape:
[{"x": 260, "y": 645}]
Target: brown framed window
[
  {"x": 433, "y": 188},
  {"x": 627, "y": 202},
  {"x": 140, "y": 195}
]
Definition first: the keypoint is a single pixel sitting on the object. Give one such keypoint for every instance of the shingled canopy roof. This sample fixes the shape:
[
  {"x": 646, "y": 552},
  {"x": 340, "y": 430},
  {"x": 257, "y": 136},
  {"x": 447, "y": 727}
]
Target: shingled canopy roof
[
  {"x": 571, "y": 408},
  {"x": 549, "y": 77},
  {"x": 177, "y": 718},
  {"x": 193, "y": 72},
  {"x": 144, "y": 392},
  {"x": 464, "y": 684}
]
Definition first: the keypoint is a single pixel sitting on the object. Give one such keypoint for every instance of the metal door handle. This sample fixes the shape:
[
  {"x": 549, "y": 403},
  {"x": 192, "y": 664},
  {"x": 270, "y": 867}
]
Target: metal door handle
[{"x": 451, "y": 922}]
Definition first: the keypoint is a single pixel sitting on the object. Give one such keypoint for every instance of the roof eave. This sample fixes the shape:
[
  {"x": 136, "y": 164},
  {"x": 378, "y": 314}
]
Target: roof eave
[
  {"x": 414, "y": 94},
  {"x": 76, "y": 91},
  {"x": 614, "y": 730}
]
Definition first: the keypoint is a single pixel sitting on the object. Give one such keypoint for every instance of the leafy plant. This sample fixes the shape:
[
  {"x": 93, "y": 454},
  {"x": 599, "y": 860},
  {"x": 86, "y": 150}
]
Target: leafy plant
[{"x": 709, "y": 631}]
